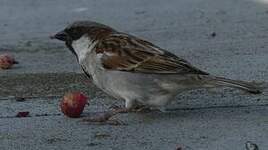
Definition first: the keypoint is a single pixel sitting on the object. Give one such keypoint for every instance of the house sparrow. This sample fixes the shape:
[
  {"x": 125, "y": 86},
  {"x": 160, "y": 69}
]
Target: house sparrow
[{"x": 135, "y": 70}]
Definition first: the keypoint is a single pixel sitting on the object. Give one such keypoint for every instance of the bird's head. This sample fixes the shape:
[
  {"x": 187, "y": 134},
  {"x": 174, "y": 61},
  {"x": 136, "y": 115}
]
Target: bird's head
[{"x": 82, "y": 32}]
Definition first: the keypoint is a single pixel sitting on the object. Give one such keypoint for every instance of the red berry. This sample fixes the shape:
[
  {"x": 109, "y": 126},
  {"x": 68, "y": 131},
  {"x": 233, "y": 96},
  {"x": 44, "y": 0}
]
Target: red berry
[
  {"x": 7, "y": 61},
  {"x": 73, "y": 104}
]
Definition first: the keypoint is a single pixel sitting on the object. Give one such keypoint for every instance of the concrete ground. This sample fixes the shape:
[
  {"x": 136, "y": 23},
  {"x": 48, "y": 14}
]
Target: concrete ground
[{"x": 226, "y": 38}]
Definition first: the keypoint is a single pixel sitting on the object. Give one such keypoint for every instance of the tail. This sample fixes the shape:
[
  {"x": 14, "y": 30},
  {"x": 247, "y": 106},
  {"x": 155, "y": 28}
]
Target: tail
[{"x": 246, "y": 86}]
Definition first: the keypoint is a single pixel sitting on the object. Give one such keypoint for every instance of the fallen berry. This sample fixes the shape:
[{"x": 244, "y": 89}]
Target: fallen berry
[
  {"x": 7, "y": 61},
  {"x": 73, "y": 104}
]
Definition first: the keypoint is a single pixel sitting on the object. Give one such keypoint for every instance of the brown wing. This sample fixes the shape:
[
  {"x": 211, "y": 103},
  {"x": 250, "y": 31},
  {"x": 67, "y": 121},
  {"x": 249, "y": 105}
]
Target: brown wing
[{"x": 128, "y": 53}]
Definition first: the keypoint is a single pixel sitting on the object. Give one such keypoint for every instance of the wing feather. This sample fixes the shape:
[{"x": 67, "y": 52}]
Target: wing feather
[{"x": 128, "y": 53}]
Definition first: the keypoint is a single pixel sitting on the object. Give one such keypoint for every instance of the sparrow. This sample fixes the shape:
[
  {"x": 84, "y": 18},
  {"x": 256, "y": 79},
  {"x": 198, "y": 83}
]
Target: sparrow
[{"x": 135, "y": 70}]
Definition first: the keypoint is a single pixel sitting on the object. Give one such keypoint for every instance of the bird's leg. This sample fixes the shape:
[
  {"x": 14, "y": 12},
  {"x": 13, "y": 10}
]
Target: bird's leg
[{"x": 105, "y": 118}]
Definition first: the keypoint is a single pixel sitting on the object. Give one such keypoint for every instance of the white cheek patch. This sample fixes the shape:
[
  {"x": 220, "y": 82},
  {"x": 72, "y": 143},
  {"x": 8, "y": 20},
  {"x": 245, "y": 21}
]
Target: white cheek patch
[
  {"x": 109, "y": 54},
  {"x": 99, "y": 55},
  {"x": 83, "y": 46}
]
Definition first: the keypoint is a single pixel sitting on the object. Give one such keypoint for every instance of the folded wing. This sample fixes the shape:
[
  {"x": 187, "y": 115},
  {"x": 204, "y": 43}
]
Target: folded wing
[{"x": 128, "y": 53}]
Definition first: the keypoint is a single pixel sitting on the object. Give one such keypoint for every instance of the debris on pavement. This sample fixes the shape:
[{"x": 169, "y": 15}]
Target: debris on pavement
[
  {"x": 101, "y": 135},
  {"x": 179, "y": 148},
  {"x": 213, "y": 34},
  {"x": 20, "y": 99},
  {"x": 23, "y": 114},
  {"x": 251, "y": 146}
]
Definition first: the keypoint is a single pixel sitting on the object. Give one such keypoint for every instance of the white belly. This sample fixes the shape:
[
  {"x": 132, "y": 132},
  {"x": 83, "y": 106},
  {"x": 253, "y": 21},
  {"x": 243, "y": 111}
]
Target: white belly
[{"x": 144, "y": 88}]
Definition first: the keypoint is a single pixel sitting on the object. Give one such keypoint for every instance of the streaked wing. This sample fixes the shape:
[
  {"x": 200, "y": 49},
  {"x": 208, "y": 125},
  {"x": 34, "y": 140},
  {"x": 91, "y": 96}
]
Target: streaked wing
[{"x": 128, "y": 53}]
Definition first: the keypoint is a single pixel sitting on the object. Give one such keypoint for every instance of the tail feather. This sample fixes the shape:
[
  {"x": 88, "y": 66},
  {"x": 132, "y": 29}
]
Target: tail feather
[{"x": 246, "y": 86}]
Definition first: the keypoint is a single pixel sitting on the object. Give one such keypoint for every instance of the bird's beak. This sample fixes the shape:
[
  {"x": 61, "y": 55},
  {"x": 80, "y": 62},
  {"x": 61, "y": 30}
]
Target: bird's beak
[{"x": 62, "y": 36}]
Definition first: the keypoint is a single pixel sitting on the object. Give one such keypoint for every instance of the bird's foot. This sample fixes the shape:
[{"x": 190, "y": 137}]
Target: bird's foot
[{"x": 104, "y": 119}]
